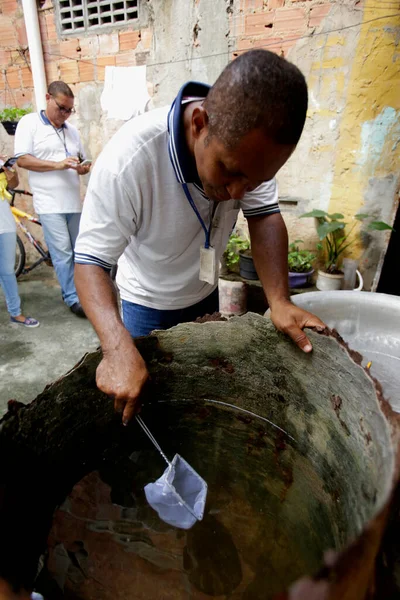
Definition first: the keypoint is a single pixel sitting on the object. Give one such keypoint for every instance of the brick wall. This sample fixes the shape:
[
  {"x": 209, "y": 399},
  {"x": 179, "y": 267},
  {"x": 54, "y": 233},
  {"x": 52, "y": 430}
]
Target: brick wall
[
  {"x": 272, "y": 24},
  {"x": 74, "y": 60},
  {"x": 275, "y": 24},
  {"x": 194, "y": 39}
]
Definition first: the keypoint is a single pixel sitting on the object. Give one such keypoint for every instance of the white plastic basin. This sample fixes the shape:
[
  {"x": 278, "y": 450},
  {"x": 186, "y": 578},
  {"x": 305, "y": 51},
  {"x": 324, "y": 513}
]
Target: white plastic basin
[{"x": 370, "y": 323}]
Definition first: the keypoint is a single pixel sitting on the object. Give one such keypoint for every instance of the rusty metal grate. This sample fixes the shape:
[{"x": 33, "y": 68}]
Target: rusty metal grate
[{"x": 76, "y": 16}]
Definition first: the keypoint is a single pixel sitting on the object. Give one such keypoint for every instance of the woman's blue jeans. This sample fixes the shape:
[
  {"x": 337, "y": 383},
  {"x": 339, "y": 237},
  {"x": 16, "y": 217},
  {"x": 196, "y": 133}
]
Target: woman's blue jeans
[
  {"x": 8, "y": 280},
  {"x": 141, "y": 320}
]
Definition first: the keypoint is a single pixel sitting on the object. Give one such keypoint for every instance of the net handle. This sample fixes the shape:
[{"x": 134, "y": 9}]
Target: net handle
[{"x": 151, "y": 437}]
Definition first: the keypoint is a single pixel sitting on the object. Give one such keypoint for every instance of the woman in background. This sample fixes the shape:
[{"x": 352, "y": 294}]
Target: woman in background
[{"x": 8, "y": 242}]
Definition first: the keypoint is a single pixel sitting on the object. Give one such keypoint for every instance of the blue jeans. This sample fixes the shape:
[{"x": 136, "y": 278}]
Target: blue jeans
[
  {"x": 141, "y": 320},
  {"x": 8, "y": 281},
  {"x": 60, "y": 232}
]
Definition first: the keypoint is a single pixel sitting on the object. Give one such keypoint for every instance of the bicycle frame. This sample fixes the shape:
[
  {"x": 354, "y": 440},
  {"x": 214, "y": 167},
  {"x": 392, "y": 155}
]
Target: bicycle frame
[{"x": 20, "y": 214}]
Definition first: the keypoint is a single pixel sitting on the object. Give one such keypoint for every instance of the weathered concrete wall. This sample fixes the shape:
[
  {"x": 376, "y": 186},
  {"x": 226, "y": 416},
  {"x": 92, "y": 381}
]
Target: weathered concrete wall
[
  {"x": 366, "y": 172},
  {"x": 326, "y": 62},
  {"x": 348, "y": 154},
  {"x": 182, "y": 33}
]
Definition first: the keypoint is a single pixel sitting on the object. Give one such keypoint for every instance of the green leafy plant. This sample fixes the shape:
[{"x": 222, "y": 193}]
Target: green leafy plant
[
  {"x": 236, "y": 244},
  {"x": 13, "y": 114},
  {"x": 300, "y": 260},
  {"x": 331, "y": 230}
]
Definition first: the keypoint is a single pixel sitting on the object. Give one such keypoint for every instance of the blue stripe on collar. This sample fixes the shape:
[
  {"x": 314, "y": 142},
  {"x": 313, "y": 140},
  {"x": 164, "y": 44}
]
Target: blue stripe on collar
[
  {"x": 45, "y": 120},
  {"x": 182, "y": 162}
]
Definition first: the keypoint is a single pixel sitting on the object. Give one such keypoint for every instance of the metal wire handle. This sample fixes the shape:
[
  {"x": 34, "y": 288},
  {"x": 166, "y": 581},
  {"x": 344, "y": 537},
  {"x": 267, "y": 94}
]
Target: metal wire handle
[{"x": 151, "y": 437}]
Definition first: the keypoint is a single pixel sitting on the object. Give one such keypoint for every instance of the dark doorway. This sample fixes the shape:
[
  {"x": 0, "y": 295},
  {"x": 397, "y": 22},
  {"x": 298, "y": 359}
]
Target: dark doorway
[{"x": 389, "y": 281}]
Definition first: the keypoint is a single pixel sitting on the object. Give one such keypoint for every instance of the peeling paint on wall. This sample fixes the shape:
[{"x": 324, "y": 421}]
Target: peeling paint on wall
[
  {"x": 366, "y": 172},
  {"x": 375, "y": 134}
]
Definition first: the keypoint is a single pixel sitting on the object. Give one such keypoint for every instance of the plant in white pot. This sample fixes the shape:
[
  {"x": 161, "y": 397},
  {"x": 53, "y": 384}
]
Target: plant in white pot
[
  {"x": 300, "y": 264},
  {"x": 331, "y": 230}
]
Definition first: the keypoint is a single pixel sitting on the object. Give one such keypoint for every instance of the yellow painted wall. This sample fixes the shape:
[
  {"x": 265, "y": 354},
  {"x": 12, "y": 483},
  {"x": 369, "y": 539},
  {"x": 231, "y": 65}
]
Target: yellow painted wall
[{"x": 369, "y": 141}]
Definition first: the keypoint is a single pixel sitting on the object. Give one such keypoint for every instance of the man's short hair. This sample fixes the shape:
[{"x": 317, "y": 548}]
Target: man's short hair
[
  {"x": 259, "y": 89},
  {"x": 59, "y": 87}
]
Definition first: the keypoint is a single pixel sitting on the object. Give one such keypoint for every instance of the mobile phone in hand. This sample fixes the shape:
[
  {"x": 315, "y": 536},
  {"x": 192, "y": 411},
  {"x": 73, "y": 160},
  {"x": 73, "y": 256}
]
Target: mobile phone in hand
[{"x": 85, "y": 163}]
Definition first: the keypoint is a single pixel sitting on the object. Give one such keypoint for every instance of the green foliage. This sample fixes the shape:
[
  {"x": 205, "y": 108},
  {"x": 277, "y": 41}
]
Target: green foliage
[
  {"x": 331, "y": 230},
  {"x": 379, "y": 226},
  {"x": 13, "y": 114},
  {"x": 235, "y": 245},
  {"x": 300, "y": 261}
]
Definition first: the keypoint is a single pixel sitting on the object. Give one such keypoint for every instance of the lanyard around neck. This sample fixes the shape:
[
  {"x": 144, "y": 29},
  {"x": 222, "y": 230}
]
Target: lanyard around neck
[
  {"x": 62, "y": 139},
  {"x": 207, "y": 231}
]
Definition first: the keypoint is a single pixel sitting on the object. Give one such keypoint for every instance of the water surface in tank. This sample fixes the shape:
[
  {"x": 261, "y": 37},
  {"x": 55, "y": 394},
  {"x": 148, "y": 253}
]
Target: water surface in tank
[{"x": 269, "y": 514}]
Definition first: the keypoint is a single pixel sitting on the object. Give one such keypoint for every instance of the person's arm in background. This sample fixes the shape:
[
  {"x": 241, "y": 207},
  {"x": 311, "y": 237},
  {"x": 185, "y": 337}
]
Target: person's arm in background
[
  {"x": 269, "y": 248},
  {"x": 122, "y": 371},
  {"x": 31, "y": 163},
  {"x": 83, "y": 169}
]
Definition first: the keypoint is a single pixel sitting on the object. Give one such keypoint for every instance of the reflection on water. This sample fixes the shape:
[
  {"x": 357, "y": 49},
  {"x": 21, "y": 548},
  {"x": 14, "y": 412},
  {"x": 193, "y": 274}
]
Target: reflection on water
[{"x": 266, "y": 522}]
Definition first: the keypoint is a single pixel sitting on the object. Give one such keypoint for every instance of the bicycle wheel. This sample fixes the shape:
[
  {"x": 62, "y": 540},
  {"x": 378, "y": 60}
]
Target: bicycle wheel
[{"x": 20, "y": 257}]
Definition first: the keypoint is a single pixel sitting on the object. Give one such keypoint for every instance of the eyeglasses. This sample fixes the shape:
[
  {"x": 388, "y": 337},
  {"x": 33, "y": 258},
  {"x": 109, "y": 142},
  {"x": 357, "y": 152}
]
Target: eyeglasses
[{"x": 63, "y": 109}]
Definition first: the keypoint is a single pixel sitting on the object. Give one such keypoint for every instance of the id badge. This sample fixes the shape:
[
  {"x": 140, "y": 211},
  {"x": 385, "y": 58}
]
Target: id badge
[{"x": 208, "y": 270}]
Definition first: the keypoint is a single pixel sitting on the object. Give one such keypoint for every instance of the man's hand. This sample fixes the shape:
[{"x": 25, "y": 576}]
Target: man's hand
[
  {"x": 291, "y": 319},
  {"x": 121, "y": 374},
  {"x": 71, "y": 162},
  {"x": 83, "y": 169}
]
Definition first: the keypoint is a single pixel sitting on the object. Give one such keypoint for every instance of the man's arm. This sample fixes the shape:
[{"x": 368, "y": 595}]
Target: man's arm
[
  {"x": 269, "y": 248},
  {"x": 122, "y": 372},
  {"x": 29, "y": 162}
]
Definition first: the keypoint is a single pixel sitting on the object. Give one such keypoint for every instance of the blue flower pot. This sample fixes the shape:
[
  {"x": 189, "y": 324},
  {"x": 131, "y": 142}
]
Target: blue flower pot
[{"x": 297, "y": 280}]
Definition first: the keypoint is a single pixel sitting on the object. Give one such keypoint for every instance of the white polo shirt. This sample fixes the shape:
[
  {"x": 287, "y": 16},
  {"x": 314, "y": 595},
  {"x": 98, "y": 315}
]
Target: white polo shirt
[
  {"x": 136, "y": 211},
  {"x": 53, "y": 191}
]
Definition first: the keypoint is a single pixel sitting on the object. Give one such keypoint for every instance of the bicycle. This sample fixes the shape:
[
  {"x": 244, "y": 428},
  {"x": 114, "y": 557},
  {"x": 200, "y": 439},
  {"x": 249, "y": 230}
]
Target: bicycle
[{"x": 20, "y": 256}]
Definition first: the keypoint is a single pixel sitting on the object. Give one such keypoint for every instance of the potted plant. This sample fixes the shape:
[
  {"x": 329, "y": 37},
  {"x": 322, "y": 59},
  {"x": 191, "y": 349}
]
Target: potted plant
[
  {"x": 238, "y": 254},
  {"x": 239, "y": 251},
  {"x": 232, "y": 293},
  {"x": 331, "y": 230},
  {"x": 300, "y": 264},
  {"x": 10, "y": 117},
  {"x": 247, "y": 268},
  {"x": 231, "y": 254}
]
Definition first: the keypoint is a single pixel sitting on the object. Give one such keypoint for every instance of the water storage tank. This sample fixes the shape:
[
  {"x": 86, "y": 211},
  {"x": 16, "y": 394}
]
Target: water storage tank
[{"x": 299, "y": 451}]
